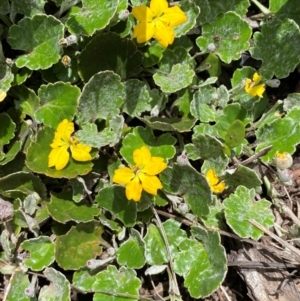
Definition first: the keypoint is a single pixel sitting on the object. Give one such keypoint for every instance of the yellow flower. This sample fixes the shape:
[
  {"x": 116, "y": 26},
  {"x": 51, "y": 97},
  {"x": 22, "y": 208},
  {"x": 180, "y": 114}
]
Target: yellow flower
[
  {"x": 142, "y": 175},
  {"x": 2, "y": 95},
  {"x": 157, "y": 21},
  {"x": 252, "y": 87},
  {"x": 214, "y": 182},
  {"x": 59, "y": 156}
]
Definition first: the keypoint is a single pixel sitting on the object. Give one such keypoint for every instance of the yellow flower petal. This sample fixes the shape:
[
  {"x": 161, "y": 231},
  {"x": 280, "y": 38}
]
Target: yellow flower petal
[
  {"x": 134, "y": 190},
  {"x": 252, "y": 87},
  {"x": 143, "y": 31},
  {"x": 64, "y": 130},
  {"x": 59, "y": 157},
  {"x": 142, "y": 13},
  {"x": 214, "y": 182},
  {"x": 141, "y": 156},
  {"x": 256, "y": 78},
  {"x": 123, "y": 175},
  {"x": 2, "y": 95},
  {"x": 174, "y": 16},
  {"x": 150, "y": 183},
  {"x": 80, "y": 152},
  {"x": 259, "y": 90},
  {"x": 158, "y": 7},
  {"x": 155, "y": 166},
  {"x": 58, "y": 142},
  {"x": 218, "y": 188},
  {"x": 163, "y": 33},
  {"x": 211, "y": 177}
]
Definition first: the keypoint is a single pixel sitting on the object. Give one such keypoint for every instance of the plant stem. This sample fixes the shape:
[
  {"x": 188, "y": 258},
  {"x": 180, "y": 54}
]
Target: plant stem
[
  {"x": 173, "y": 280},
  {"x": 261, "y": 7}
]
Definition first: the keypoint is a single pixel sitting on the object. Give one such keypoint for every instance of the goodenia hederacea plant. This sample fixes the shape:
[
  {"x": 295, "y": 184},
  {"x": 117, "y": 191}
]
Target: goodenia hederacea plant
[
  {"x": 275, "y": 44},
  {"x": 227, "y": 36},
  {"x": 284, "y": 9},
  {"x": 99, "y": 14},
  {"x": 241, "y": 207},
  {"x": 38, "y": 36}
]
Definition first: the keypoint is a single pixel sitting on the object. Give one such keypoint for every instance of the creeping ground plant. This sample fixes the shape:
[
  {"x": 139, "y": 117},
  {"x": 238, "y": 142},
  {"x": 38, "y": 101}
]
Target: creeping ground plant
[{"x": 133, "y": 134}]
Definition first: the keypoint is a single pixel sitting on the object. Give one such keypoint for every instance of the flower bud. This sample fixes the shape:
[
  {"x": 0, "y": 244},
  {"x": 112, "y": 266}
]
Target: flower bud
[
  {"x": 182, "y": 159},
  {"x": 94, "y": 263},
  {"x": 123, "y": 15},
  {"x": 65, "y": 42},
  {"x": 111, "y": 251},
  {"x": 155, "y": 111},
  {"x": 273, "y": 83},
  {"x": 183, "y": 208},
  {"x": 29, "y": 291},
  {"x": 283, "y": 160},
  {"x": 285, "y": 176},
  {"x": 66, "y": 61}
]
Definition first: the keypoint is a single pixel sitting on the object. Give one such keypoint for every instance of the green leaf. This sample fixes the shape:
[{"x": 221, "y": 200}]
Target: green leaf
[
  {"x": 59, "y": 288},
  {"x": 202, "y": 106},
  {"x": 137, "y": 99},
  {"x": 153, "y": 54},
  {"x": 286, "y": 9},
  {"x": 292, "y": 101},
  {"x": 11, "y": 154},
  {"x": 132, "y": 252},
  {"x": 58, "y": 102},
  {"x": 161, "y": 146},
  {"x": 276, "y": 47},
  {"x": 214, "y": 65},
  {"x": 191, "y": 185},
  {"x": 4, "y": 7},
  {"x": 89, "y": 135},
  {"x": 94, "y": 15},
  {"x": 101, "y": 97},
  {"x": 282, "y": 134},
  {"x": 18, "y": 283},
  {"x": 235, "y": 134},
  {"x": 211, "y": 8},
  {"x": 6, "y": 77},
  {"x": 63, "y": 209},
  {"x": 28, "y": 8},
  {"x": 207, "y": 148},
  {"x": 156, "y": 252},
  {"x": 192, "y": 11},
  {"x": 111, "y": 135},
  {"x": 231, "y": 113},
  {"x": 37, "y": 158},
  {"x": 176, "y": 55},
  {"x": 7, "y": 129},
  {"x": 215, "y": 219},
  {"x": 41, "y": 252},
  {"x": 28, "y": 102},
  {"x": 79, "y": 245},
  {"x": 116, "y": 282},
  {"x": 240, "y": 207},
  {"x": 169, "y": 124},
  {"x": 230, "y": 35},
  {"x": 181, "y": 76},
  {"x": 111, "y": 52},
  {"x": 38, "y": 37},
  {"x": 242, "y": 176},
  {"x": 113, "y": 199},
  {"x": 203, "y": 265},
  {"x": 113, "y": 283},
  {"x": 21, "y": 184}
]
